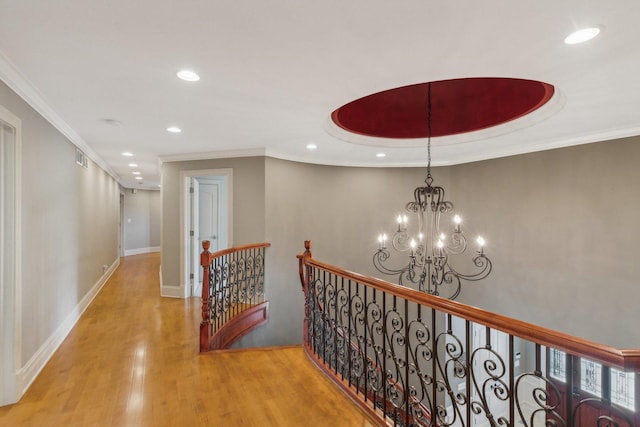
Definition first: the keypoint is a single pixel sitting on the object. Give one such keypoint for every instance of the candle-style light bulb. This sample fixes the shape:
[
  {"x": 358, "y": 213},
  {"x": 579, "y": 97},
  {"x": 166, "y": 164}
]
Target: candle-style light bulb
[
  {"x": 420, "y": 237},
  {"x": 457, "y": 220},
  {"x": 481, "y": 241},
  {"x": 442, "y": 237},
  {"x": 440, "y": 244}
]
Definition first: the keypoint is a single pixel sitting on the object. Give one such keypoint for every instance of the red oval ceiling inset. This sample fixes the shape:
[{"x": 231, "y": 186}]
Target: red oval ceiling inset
[{"x": 457, "y": 106}]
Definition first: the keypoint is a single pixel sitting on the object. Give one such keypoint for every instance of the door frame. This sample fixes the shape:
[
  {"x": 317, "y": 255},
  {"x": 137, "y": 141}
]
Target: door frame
[
  {"x": 11, "y": 387},
  {"x": 221, "y": 237},
  {"x": 225, "y": 176}
]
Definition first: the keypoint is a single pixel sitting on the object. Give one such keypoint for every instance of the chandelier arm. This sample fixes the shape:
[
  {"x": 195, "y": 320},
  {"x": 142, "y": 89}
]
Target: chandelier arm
[
  {"x": 480, "y": 261},
  {"x": 458, "y": 244},
  {"x": 400, "y": 241},
  {"x": 380, "y": 257}
]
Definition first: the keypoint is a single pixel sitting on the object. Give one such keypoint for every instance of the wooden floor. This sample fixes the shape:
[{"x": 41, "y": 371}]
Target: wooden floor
[{"x": 132, "y": 360}]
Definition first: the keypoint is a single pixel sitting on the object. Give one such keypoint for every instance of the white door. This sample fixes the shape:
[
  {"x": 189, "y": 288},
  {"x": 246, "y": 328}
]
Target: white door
[
  {"x": 207, "y": 221},
  {"x": 499, "y": 344},
  {"x": 207, "y": 207}
]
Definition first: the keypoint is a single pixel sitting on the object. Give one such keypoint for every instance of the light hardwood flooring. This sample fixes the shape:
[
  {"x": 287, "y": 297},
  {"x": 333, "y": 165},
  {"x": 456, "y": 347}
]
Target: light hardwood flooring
[{"x": 132, "y": 360}]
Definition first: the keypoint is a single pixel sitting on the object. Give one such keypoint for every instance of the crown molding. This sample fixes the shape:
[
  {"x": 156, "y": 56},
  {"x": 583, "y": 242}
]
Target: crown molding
[
  {"x": 10, "y": 75},
  {"x": 209, "y": 155}
]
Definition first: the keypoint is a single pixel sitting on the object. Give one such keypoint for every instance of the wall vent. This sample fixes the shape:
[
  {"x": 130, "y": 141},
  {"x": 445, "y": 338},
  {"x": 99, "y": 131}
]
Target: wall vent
[{"x": 81, "y": 159}]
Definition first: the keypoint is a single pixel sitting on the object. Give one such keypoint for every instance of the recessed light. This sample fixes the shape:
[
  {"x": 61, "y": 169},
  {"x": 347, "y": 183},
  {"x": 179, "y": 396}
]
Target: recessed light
[
  {"x": 138, "y": 177},
  {"x": 582, "y": 35},
  {"x": 380, "y": 155},
  {"x": 174, "y": 129},
  {"x": 133, "y": 165},
  {"x": 188, "y": 76},
  {"x": 127, "y": 154},
  {"x": 311, "y": 146},
  {"x": 112, "y": 122},
  {"x": 135, "y": 173}
]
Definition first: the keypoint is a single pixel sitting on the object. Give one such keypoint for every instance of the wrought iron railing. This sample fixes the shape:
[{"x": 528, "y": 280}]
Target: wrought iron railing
[
  {"x": 412, "y": 359},
  {"x": 233, "y": 300}
]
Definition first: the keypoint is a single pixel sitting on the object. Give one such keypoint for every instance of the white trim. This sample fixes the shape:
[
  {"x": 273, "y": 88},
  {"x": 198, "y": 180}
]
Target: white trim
[
  {"x": 172, "y": 291},
  {"x": 139, "y": 251},
  {"x": 185, "y": 177},
  {"x": 549, "y": 109},
  {"x": 28, "y": 373},
  {"x": 252, "y": 152},
  {"x": 27, "y": 91},
  {"x": 10, "y": 391}
]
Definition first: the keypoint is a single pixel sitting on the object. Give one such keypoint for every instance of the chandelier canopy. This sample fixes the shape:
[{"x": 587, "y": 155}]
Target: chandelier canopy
[{"x": 426, "y": 243}]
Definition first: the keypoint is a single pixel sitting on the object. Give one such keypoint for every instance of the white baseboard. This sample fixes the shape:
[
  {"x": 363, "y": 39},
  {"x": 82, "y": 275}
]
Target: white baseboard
[
  {"x": 28, "y": 373},
  {"x": 172, "y": 291},
  {"x": 139, "y": 251}
]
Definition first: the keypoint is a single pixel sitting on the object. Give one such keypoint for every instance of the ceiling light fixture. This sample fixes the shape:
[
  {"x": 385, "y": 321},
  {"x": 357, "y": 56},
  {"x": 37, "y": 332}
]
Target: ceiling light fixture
[
  {"x": 112, "y": 122},
  {"x": 188, "y": 76},
  {"x": 428, "y": 247},
  {"x": 582, "y": 35},
  {"x": 381, "y": 155},
  {"x": 133, "y": 165},
  {"x": 138, "y": 177},
  {"x": 127, "y": 154},
  {"x": 135, "y": 173},
  {"x": 174, "y": 129},
  {"x": 312, "y": 146}
]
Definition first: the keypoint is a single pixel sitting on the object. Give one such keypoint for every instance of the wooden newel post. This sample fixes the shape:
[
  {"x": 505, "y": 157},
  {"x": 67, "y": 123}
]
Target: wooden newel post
[
  {"x": 301, "y": 264},
  {"x": 205, "y": 325},
  {"x": 305, "y": 277}
]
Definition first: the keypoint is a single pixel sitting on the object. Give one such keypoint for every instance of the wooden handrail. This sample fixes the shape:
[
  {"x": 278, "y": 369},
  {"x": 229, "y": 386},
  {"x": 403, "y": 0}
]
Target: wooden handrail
[
  {"x": 222, "y": 252},
  {"x": 628, "y": 359},
  {"x": 246, "y": 316}
]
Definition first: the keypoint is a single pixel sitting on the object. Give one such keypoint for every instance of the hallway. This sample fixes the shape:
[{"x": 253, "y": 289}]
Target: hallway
[{"x": 132, "y": 360}]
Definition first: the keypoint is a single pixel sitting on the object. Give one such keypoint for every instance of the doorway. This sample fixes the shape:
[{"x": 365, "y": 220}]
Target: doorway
[
  {"x": 121, "y": 228},
  {"x": 10, "y": 260},
  {"x": 207, "y": 213}
]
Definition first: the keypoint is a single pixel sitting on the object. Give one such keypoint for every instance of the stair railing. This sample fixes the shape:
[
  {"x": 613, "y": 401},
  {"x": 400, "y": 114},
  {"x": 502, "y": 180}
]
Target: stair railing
[
  {"x": 233, "y": 300},
  {"x": 413, "y": 359}
]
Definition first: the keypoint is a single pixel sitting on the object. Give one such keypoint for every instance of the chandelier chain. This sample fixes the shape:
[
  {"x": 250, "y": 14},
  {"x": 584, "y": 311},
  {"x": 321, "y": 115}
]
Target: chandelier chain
[
  {"x": 427, "y": 243},
  {"x": 429, "y": 179}
]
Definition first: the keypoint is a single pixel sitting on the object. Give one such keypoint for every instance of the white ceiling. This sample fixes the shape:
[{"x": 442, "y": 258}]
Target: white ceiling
[{"x": 273, "y": 71}]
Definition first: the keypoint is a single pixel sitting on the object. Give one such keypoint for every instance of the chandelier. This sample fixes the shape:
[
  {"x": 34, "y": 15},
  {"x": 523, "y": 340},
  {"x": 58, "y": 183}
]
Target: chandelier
[{"x": 427, "y": 248}]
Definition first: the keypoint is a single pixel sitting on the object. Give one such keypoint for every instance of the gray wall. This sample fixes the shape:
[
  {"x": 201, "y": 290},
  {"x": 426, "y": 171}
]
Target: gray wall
[
  {"x": 562, "y": 230},
  {"x": 69, "y": 225},
  {"x": 248, "y": 207},
  {"x": 143, "y": 209},
  {"x": 561, "y": 227},
  {"x": 341, "y": 210}
]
